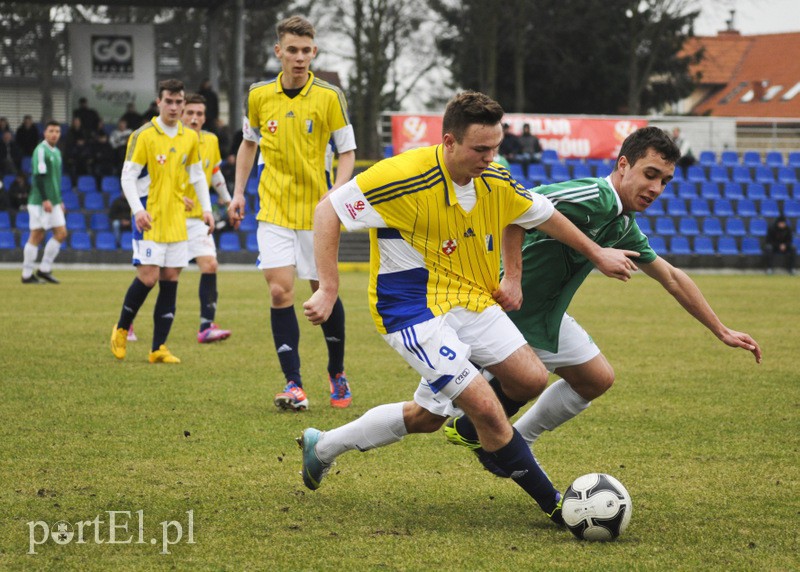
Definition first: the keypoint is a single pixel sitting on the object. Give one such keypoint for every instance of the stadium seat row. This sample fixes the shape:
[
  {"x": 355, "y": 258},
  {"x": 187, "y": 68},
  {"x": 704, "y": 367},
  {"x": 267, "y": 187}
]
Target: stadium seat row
[{"x": 769, "y": 208}]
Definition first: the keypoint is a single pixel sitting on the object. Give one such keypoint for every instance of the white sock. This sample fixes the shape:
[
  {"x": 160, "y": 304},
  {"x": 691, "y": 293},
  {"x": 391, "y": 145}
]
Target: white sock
[
  {"x": 380, "y": 426},
  {"x": 556, "y": 405},
  {"x": 29, "y": 255},
  {"x": 51, "y": 250}
]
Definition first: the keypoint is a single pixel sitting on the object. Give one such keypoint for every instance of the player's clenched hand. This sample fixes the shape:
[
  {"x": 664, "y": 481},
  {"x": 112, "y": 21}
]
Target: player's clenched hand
[
  {"x": 318, "y": 308},
  {"x": 236, "y": 211},
  {"x": 616, "y": 263},
  {"x": 188, "y": 204},
  {"x": 208, "y": 218},
  {"x": 509, "y": 294},
  {"x": 143, "y": 221}
]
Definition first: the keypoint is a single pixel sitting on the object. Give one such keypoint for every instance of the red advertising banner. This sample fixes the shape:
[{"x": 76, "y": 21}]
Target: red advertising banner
[{"x": 571, "y": 138}]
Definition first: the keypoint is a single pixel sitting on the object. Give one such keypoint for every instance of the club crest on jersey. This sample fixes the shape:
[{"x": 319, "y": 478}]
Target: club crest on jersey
[
  {"x": 355, "y": 208},
  {"x": 161, "y": 158},
  {"x": 272, "y": 125},
  {"x": 449, "y": 246},
  {"x": 489, "y": 242}
]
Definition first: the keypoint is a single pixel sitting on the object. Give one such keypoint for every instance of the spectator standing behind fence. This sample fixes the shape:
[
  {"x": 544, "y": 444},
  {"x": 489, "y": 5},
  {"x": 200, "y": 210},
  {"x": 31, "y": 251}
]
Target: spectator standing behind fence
[
  {"x": 132, "y": 118},
  {"x": 10, "y": 154},
  {"x": 119, "y": 140},
  {"x": 779, "y": 241},
  {"x": 687, "y": 157},
  {"x": 531, "y": 149},
  {"x": 212, "y": 105},
  {"x": 27, "y": 136},
  {"x": 119, "y": 213},
  {"x": 90, "y": 119},
  {"x": 18, "y": 192},
  {"x": 510, "y": 148}
]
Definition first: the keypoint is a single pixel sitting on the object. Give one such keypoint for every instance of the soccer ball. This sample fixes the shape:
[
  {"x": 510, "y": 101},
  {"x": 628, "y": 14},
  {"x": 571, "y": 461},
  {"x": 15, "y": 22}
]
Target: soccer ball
[{"x": 597, "y": 507}]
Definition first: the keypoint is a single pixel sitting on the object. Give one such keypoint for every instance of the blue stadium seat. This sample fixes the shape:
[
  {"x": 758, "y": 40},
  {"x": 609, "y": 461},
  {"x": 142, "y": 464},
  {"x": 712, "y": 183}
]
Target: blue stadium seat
[
  {"x": 5, "y": 220},
  {"x": 94, "y": 202},
  {"x": 516, "y": 170},
  {"x": 656, "y": 208},
  {"x": 664, "y": 226},
  {"x": 70, "y": 201},
  {"x": 727, "y": 246},
  {"x": 599, "y": 167},
  {"x": 718, "y": 174},
  {"x": 537, "y": 174},
  {"x": 793, "y": 160},
  {"x": 22, "y": 221},
  {"x": 76, "y": 221},
  {"x": 791, "y": 208},
  {"x": 251, "y": 242},
  {"x": 549, "y": 156},
  {"x": 695, "y": 174},
  {"x": 774, "y": 159},
  {"x": 733, "y": 191},
  {"x": 229, "y": 242},
  {"x": 707, "y": 158},
  {"x": 105, "y": 240},
  {"x": 27, "y": 163},
  {"x": 110, "y": 185},
  {"x": 7, "y": 240},
  {"x": 670, "y": 190},
  {"x": 7, "y": 180},
  {"x": 678, "y": 176},
  {"x": 679, "y": 245},
  {"x": 709, "y": 190},
  {"x": 787, "y": 175},
  {"x": 729, "y": 158},
  {"x": 769, "y": 208},
  {"x": 755, "y": 191},
  {"x": 687, "y": 226},
  {"x": 80, "y": 241},
  {"x": 658, "y": 244},
  {"x": 746, "y": 208},
  {"x": 712, "y": 226},
  {"x": 99, "y": 221},
  {"x": 779, "y": 192},
  {"x": 581, "y": 171},
  {"x": 722, "y": 208},
  {"x": 644, "y": 224},
  {"x": 66, "y": 184},
  {"x": 704, "y": 246},
  {"x": 559, "y": 172},
  {"x": 249, "y": 223},
  {"x": 751, "y": 159},
  {"x": 699, "y": 207},
  {"x": 125, "y": 240},
  {"x": 734, "y": 226},
  {"x": 687, "y": 190},
  {"x": 751, "y": 246},
  {"x": 758, "y": 227},
  {"x": 741, "y": 174},
  {"x": 764, "y": 175},
  {"x": 86, "y": 184},
  {"x": 676, "y": 207}
]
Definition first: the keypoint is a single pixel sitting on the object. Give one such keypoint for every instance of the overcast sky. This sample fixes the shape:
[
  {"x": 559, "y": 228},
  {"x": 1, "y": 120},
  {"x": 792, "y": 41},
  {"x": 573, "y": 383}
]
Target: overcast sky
[{"x": 752, "y": 16}]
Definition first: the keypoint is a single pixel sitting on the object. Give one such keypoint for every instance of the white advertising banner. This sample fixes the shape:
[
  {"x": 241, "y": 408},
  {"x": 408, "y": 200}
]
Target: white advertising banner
[{"x": 113, "y": 65}]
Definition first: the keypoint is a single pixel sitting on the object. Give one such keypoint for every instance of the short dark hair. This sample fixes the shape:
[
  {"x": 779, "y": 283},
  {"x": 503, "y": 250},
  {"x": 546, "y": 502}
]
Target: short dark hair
[
  {"x": 637, "y": 144},
  {"x": 295, "y": 25},
  {"x": 195, "y": 98},
  {"x": 170, "y": 86},
  {"x": 470, "y": 108},
  {"x": 52, "y": 122}
]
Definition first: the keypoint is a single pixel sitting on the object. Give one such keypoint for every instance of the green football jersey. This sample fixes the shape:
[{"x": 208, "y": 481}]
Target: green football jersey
[
  {"x": 552, "y": 272},
  {"x": 46, "y": 169}
]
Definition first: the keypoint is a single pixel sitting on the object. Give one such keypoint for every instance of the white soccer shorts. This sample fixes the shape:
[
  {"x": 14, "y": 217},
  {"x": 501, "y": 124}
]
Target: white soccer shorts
[{"x": 279, "y": 247}]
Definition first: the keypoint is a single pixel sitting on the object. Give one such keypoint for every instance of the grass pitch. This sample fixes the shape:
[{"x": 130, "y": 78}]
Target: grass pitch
[{"x": 705, "y": 440}]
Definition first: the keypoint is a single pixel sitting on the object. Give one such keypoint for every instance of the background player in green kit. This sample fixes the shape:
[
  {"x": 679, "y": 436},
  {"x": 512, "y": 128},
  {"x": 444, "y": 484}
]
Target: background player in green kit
[
  {"x": 45, "y": 208},
  {"x": 552, "y": 272}
]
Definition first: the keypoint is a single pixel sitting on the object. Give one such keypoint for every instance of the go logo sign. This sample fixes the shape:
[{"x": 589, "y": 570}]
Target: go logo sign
[{"x": 112, "y": 54}]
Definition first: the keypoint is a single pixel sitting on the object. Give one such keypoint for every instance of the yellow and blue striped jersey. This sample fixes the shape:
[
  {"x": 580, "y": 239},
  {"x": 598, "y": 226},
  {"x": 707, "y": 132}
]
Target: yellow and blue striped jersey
[
  {"x": 433, "y": 255},
  {"x": 165, "y": 160},
  {"x": 292, "y": 135},
  {"x": 211, "y": 159}
]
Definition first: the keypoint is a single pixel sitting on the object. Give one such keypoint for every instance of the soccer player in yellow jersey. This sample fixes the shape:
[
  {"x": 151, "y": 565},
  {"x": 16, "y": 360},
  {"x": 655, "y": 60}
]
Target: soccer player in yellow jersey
[
  {"x": 158, "y": 156},
  {"x": 291, "y": 119},
  {"x": 437, "y": 217},
  {"x": 201, "y": 243}
]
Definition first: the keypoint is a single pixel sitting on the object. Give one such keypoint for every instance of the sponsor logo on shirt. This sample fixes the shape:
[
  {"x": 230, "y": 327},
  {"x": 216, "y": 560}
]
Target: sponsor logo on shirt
[
  {"x": 353, "y": 209},
  {"x": 272, "y": 125},
  {"x": 449, "y": 246}
]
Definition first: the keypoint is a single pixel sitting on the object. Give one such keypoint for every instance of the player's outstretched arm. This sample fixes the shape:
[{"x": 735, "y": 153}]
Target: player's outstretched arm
[
  {"x": 326, "y": 254},
  {"x": 688, "y": 295},
  {"x": 610, "y": 261}
]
